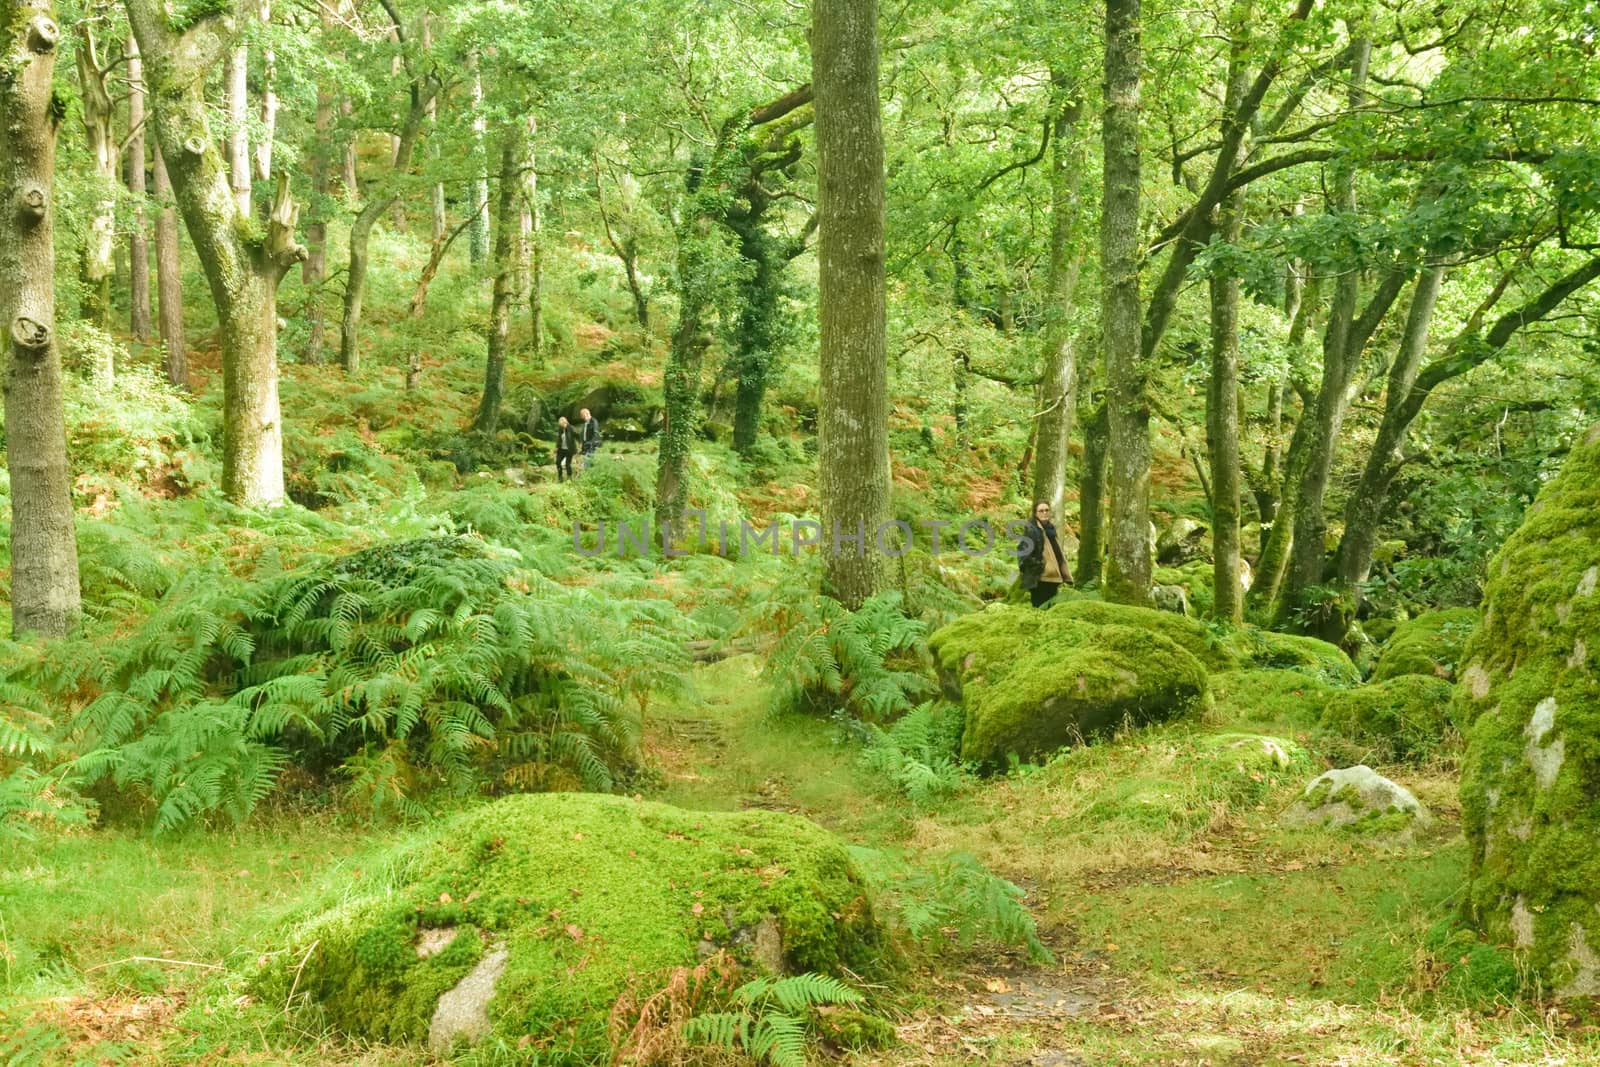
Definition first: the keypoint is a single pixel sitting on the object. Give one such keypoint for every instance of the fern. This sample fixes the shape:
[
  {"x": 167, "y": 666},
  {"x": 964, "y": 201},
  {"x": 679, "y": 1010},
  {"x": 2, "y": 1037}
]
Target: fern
[
  {"x": 830, "y": 660},
  {"x": 958, "y": 893},
  {"x": 767, "y": 1018},
  {"x": 917, "y": 754}
]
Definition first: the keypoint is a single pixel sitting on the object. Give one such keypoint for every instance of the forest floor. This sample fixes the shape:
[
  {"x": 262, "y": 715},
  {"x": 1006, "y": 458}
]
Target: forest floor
[{"x": 1187, "y": 927}]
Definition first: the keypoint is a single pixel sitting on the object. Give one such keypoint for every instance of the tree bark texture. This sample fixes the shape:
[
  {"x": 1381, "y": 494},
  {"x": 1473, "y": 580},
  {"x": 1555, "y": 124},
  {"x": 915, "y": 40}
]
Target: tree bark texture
[
  {"x": 169, "y": 278},
  {"x": 507, "y": 224},
  {"x": 1127, "y": 370},
  {"x": 853, "y": 417},
  {"x": 44, "y": 550},
  {"x": 138, "y": 236}
]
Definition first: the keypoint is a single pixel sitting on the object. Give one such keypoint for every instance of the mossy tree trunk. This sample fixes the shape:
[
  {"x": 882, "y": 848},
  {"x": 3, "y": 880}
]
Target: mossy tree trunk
[
  {"x": 1222, "y": 427},
  {"x": 507, "y": 222},
  {"x": 1121, "y": 258},
  {"x": 1092, "y": 498},
  {"x": 169, "y": 278},
  {"x": 236, "y": 108},
  {"x": 853, "y": 414},
  {"x": 44, "y": 549},
  {"x": 704, "y": 223},
  {"x": 138, "y": 238},
  {"x": 243, "y": 258},
  {"x": 1058, "y": 383},
  {"x": 758, "y": 332}
]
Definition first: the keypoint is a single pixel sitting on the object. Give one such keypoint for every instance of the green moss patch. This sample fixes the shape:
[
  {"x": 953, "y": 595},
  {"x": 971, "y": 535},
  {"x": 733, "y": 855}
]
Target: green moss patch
[
  {"x": 1266, "y": 695},
  {"x": 583, "y": 891},
  {"x": 1429, "y": 645},
  {"x": 1034, "y": 681},
  {"x": 1266, "y": 648},
  {"x": 1404, "y": 718}
]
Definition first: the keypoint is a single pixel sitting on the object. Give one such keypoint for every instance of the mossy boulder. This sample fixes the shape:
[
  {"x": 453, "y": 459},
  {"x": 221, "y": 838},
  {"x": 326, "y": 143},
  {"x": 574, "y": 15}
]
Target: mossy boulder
[
  {"x": 1291, "y": 652},
  {"x": 1195, "y": 578},
  {"x": 1362, "y": 800},
  {"x": 1404, "y": 718},
  {"x": 1530, "y": 689},
  {"x": 1033, "y": 681},
  {"x": 562, "y": 899},
  {"x": 1429, "y": 644},
  {"x": 1267, "y": 695}
]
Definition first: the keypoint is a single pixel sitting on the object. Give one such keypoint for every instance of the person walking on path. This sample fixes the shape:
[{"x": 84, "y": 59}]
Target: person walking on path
[
  {"x": 589, "y": 437},
  {"x": 566, "y": 447},
  {"x": 1043, "y": 566}
]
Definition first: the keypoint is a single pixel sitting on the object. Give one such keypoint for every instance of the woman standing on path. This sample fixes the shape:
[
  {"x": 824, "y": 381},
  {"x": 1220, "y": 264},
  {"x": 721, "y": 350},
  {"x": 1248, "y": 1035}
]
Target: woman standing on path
[{"x": 1043, "y": 567}]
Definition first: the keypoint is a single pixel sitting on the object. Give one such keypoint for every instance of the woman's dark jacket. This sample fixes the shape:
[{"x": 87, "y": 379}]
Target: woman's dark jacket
[
  {"x": 566, "y": 440},
  {"x": 1030, "y": 565}
]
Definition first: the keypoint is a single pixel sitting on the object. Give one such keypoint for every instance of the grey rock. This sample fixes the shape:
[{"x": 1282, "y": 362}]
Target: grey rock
[
  {"x": 1346, "y": 796},
  {"x": 464, "y": 1011}
]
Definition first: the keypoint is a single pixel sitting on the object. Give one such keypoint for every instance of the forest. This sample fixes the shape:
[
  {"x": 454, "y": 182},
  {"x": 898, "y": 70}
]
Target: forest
[{"x": 782, "y": 532}]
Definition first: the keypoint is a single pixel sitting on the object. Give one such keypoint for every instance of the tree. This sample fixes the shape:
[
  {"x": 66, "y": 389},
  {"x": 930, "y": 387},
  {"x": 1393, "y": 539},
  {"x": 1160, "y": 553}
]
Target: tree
[
  {"x": 507, "y": 226},
  {"x": 44, "y": 549},
  {"x": 169, "y": 278},
  {"x": 99, "y": 242},
  {"x": 1127, "y": 370},
  {"x": 243, "y": 258},
  {"x": 1057, "y": 401},
  {"x": 853, "y": 416},
  {"x": 138, "y": 239}
]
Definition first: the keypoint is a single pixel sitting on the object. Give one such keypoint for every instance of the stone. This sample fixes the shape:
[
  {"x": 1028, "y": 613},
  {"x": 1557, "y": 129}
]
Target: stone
[
  {"x": 463, "y": 1012},
  {"x": 1359, "y": 798}
]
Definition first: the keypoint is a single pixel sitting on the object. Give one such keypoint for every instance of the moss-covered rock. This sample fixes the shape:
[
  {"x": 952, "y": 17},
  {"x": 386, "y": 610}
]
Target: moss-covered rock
[
  {"x": 1530, "y": 688},
  {"x": 1429, "y": 644},
  {"x": 577, "y": 892},
  {"x": 1192, "y": 635},
  {"x": 1362, "y": 800},
  {"x": 1404, "y": 718},
  {"x": 1291, "y": 652},
  {"x": 1034, "y": 681},
  {"x": 1267, "y": 695}
]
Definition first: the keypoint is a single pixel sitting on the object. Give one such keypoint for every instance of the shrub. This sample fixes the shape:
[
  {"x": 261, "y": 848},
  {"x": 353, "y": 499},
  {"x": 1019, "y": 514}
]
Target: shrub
[
  {"x": 863, "y": 664},
  {"x": 405, "y": 666}
]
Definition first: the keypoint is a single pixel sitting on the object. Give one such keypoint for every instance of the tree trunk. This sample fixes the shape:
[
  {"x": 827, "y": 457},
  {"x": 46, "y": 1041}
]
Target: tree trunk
[
  {"x": 1092, "y": 498},
  {"x": 44, "y": 548},
  {"x": 422, "y": 90},
  {"x": 478, "y": 187},
  {"x": 853, "y": 416},
  {"x": 236, "y": 102},
  {"x": 680, "y": 383},
  {"x": 169, "y": 278},
  {"x": 1308, "y": 555},
  {"x": 352, "y": 183},
  {"x": 1057, "y": 400},
  {"x": 315, "y": 269},
  {"x": 1222, "y": 391},
  {"x": 1469, "y": 349},
  {"x": 1365, "y": 507},
  {"x": 138, "y": 239},
  {"x": 1127, "y": 371},
  {"x": 536, "y": 266},
  {"x": 506, "y": 226},
  {"x": 100, "y": 241},
  {"x": 243, "y": 274},
  {"x": 441, "y": 225},
  {"x": 1222, "y": 428}
]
